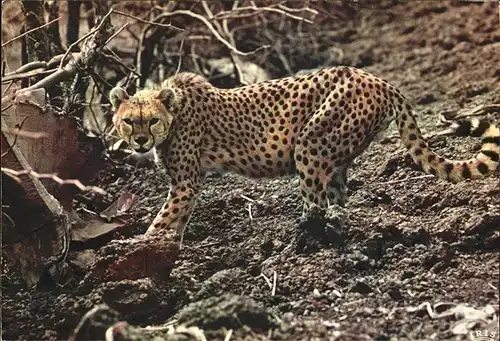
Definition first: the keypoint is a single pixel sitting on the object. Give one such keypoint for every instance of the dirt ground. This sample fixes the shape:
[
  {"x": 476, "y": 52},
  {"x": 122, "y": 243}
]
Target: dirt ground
[{"x": 412, "y": 251}]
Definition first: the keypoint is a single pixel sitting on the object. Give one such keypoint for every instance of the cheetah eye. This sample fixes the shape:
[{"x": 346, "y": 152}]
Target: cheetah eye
[
  {"x": 127, "y": 121},
  {"x": 154, "y": 120}
]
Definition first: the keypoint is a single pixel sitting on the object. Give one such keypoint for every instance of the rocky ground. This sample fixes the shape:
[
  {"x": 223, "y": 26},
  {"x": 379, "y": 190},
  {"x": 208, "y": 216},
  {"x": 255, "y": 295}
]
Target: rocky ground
[{"x": 414, "y": 251}]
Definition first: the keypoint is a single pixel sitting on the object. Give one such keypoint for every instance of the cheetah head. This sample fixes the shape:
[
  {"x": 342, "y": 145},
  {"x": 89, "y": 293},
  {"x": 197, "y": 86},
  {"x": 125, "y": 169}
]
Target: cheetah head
[{"x": 143, "y": 120}]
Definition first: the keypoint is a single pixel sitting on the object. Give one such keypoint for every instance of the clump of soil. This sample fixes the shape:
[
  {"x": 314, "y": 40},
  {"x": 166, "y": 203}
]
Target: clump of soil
[{"x": 410, "y": 241}]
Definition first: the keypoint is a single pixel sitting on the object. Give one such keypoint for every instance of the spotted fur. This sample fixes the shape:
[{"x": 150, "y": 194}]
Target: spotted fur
[{"x": 313, "y": 125}]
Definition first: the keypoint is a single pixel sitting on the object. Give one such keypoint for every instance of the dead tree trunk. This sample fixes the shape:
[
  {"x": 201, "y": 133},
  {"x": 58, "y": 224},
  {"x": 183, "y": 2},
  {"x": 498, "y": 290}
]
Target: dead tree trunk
[
  {"x": 37, "y": 42},
  {"x": 74, "y": 7},
  {"x": 34, "y": 226}
]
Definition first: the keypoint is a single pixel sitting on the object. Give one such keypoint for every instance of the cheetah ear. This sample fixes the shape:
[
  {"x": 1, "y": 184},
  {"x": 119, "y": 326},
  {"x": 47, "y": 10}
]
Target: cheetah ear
[
  {"x": 167, "y": 97},
  {"x": 117, "y": 96}
]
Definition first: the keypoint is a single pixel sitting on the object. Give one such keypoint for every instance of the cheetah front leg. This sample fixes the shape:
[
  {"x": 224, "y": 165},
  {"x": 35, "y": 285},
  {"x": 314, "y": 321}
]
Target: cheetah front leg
[{"x": 175, "y": 213}]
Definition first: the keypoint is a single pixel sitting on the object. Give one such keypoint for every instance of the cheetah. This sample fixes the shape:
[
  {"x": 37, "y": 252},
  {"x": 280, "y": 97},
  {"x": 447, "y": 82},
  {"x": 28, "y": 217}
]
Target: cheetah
[{"x": 313, "y": 125}]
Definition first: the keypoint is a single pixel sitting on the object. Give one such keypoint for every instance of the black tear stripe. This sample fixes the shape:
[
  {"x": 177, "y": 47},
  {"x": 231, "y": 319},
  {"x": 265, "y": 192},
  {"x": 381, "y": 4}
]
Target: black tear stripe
[
  {"x": 491, "y": 154},
  {"x": 481, "y": 128}
]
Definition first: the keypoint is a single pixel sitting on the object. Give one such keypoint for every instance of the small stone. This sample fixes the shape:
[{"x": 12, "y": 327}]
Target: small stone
[
  {"x": 288, "y": 317},
  {"x": 395, "y": 293},
  {"x": 361, "y": 287},
  {"x": 426, "y": 99},
  {"x": 407, "y": 274},
  {"x": 337, "y": 293},
  {"x": 398, "y": 248}
]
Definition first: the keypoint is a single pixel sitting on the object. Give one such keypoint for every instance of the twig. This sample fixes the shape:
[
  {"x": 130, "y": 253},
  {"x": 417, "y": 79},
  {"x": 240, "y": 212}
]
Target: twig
[
  {"x": 19, "y": 126},
  {"x": 29, "y": 74},
  {"x": 180, "y": 57},
  {"x": 249, "y": 209},
  {"x": 7, "y": 107},
  {"x": 260, "y": 10},
  {"x": 210, "y": 14},
  {"x": 166, "y": 326},
  {"x": 147, "y": 21},
  {"x": 114, "y": 57},
  {"x": 94, "y": 30},
  {"x": 16, "y": 174},
  {"x": 279, "y": 52},
  {"x": 272, "y": 285},
  {"x": 217, "y": 35},
  {"x": 266, "y": 279},
  {"x": 116, "y": 33},
  {"x": 275, "y": 278},
  {"x": 234, "y": 58},
  {"x": 194, "y": 59},
  {"x": 296, "y": 10},
  {"x": 247, "y": 198},
  {"x": 102, "y": 80},
  {"x": 30, "y": 31},
  {"x": 228, "y": 335},
  {"x": 28, "y": 67},
  {"x": 7, "y": 88},
  {"x": 12, "y": 222}
]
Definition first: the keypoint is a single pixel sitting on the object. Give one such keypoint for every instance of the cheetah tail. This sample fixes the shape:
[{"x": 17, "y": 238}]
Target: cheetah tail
[{"x": 454, "y": 171}]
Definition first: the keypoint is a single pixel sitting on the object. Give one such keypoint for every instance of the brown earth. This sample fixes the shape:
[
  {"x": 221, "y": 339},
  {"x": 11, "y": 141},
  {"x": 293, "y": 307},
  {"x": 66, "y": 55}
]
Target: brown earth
[{"x": 409, "y": 239}]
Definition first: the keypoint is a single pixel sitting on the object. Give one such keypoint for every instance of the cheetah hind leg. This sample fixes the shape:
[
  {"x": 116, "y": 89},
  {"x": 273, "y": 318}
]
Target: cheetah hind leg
[
  {"x": 331, "y": 203},
  {"x": 336, "y": 189},
  {"x": 324, "y": 217}
]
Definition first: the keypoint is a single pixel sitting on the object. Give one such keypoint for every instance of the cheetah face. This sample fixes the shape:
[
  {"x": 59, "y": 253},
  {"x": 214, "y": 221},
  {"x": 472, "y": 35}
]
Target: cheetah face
[{"x": 142, "y": 120}]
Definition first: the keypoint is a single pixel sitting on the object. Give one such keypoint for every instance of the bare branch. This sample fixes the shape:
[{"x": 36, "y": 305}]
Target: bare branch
[
  {"x": 7, "y": 88},
  {"x": 29, "y": 74},
  {"x": 116, "y": 33},
  {"x": 234, "y": 58},
  {"x": 18, "y": 126},
  {"x": 259, "y": 10},
  {"x": 217, "y": 35},
  {"x": 180, "y": 57},
  {"x": 147, "y": 21},
  {"x": 94, "y": 30},
  {"x": 30, "y": 31},
  {"x": 28, "y": 67},
  {"x": 116, "y": 59},
  {"x": 79, "y": 61},
  {"x": 296, "y": 10},
  {"x": 16, "y": 174}
]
